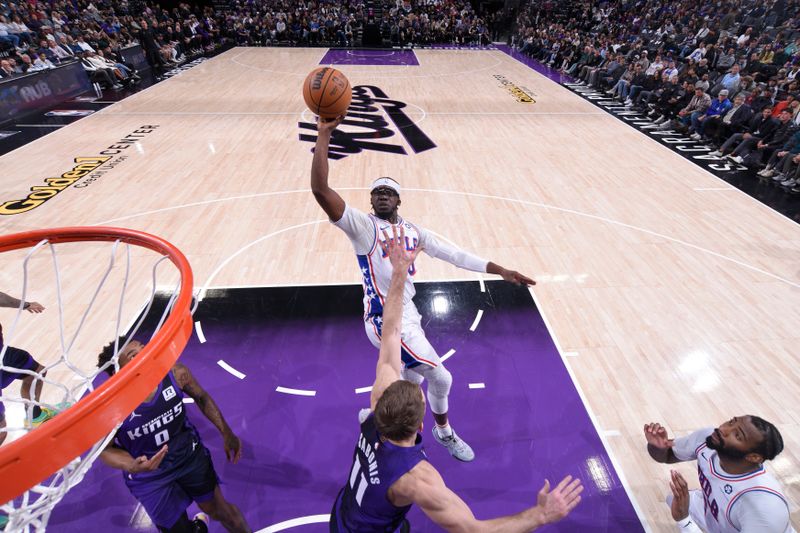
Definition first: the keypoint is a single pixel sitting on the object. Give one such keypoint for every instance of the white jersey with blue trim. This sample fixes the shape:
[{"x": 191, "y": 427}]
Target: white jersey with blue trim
[
  {"x": 749, "y": 503},
  {"x": 365, "y": 232}
]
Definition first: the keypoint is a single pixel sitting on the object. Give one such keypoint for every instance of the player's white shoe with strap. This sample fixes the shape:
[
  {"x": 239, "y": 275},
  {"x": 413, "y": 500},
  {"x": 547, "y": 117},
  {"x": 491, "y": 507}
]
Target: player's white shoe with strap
[{"x": 457, "y": 447}]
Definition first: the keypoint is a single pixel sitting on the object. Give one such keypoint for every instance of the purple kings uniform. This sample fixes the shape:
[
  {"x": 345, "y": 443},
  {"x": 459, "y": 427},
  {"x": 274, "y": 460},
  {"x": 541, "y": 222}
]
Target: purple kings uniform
[
  {"x": 186, "y": 474},
  {"x": 13, "y": 358},
  {"x": 363, "y": 504}
]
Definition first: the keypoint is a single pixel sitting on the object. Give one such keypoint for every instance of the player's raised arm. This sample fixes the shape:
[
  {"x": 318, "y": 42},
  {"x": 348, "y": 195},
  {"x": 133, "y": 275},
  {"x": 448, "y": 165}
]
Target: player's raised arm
[
  {"x": 327, "y": 198},
  {"x": 204, "y": 401},
  {"x": 388, "y": 368},
  {"x": 426, "y": 488},
  {"x": 659, "y": 445}
]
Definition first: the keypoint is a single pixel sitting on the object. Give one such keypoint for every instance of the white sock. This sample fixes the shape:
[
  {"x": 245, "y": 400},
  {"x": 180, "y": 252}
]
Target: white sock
[{"x": 444, "y": 431}]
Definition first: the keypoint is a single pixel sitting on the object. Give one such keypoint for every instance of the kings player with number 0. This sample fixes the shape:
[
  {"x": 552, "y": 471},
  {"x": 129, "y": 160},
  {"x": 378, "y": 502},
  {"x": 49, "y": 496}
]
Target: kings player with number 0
[
  {"x": 165, "y": 463},
  {"x": 420, "y": 360}
]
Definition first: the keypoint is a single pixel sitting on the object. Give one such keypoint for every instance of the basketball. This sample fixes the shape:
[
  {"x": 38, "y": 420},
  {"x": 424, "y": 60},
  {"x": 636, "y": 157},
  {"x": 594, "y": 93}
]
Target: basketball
[{"x": 327, "y": 92}]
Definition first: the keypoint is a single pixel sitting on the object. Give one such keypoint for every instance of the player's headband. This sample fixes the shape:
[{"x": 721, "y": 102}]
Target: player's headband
[{"x": 386, "y": 182}]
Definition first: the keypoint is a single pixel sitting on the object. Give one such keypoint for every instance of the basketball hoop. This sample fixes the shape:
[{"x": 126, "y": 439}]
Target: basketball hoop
[{"x": 54, "y": 449}]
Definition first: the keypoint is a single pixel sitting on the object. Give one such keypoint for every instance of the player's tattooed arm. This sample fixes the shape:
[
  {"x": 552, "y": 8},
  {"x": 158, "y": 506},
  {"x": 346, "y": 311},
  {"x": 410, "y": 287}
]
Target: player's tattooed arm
[
  {"x": 659, "y": 445},
  {"x": 120, "y": 459},
  {"x": 328, "y": 199},
  {"x": 204, "y": 401}
]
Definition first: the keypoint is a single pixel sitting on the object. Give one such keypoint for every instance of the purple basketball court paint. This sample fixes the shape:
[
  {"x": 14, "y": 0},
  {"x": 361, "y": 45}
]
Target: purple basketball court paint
[
  {"x": 526, "y": 424},
  {"x": 400, "y": 58}
]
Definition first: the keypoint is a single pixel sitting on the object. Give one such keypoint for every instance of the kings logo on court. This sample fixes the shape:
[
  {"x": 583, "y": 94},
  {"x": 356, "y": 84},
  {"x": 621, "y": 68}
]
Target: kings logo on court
[{"x": 366, "y": 127}]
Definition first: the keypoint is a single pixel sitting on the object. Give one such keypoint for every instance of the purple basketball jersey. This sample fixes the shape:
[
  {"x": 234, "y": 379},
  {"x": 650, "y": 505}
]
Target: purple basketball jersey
[
  {"x": 160, "y": 421},
  {"x": 363, "y": 505}
]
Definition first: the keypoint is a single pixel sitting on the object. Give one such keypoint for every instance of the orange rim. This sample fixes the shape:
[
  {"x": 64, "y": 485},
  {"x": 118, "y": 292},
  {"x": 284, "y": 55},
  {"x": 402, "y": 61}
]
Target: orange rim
[{"x": 32, "y": 458}]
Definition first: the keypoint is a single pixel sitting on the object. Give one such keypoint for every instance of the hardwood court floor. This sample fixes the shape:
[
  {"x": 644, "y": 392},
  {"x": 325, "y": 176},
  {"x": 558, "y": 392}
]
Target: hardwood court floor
[{"x": 676, "y": 293}]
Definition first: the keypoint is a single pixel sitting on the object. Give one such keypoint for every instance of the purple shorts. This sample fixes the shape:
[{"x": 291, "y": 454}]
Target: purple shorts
[
  {"x": 166, "y": 493},
  {"x": 15, "y": 358}
]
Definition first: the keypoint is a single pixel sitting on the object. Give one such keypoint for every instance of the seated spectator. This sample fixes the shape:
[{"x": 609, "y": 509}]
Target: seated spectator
[
  {"x": 8, "y": 38},
  {"x": 726, "y": 60},
  {"x": 697, "y": 106},
  {"x": 99, "y": 74},
  {"x": 733, "y": 121},
  {"x": 719, "y": 106},
  {"x": 6, "y": 71},
  {"x": 83, "y": 45},
  {"x": 26, "y": 65},
  {"x": 729, "y": 82},
  {"x": 61, "y": 53},
  {"x": 760, "y": 126},
  {"x": 665, "y": 97},
  {"x": 21, "y": 30},
  {"x": 783, "y": 104},
  {"x": 42, "y": 62},
  {"x": 781, "y": 162},
  {"x": 780, "y": 136},
  {"x": 761, "y": 99}
]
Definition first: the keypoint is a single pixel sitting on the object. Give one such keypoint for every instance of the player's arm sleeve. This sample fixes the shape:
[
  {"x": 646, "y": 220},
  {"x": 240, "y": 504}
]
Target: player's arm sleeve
[
  {"x": 358, "y": 227},
  {"x": 447, "y": 252},
  {"x": 685, "y": 448},
  {"x": 760, "y": 512}
]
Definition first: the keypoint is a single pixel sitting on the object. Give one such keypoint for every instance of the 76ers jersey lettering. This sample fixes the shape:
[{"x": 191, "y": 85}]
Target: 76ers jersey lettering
[{"x": 366, "y": 234}]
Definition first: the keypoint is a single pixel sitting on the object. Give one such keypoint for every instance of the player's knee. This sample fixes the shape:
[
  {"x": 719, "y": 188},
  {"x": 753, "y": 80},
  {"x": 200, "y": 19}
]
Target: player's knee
[{"x": 439, "y": 381}]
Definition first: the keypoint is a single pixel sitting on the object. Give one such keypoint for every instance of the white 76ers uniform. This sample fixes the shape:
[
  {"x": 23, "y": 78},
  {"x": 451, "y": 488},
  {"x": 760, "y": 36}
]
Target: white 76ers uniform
[
  {"x": 748, "y": 503},
  {"x": 365, "y": 233}
]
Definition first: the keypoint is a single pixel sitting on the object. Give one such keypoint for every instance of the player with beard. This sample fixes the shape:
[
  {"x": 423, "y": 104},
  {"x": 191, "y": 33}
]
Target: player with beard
[
  {"x": 420, "y": 360},
  {"x": 737, "y": 494}
]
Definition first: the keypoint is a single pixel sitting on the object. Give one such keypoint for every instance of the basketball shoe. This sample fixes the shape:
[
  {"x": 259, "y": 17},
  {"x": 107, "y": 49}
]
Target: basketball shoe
[
  {"x": 457, "y": 447},
  {"x": 46, "y": 414}
]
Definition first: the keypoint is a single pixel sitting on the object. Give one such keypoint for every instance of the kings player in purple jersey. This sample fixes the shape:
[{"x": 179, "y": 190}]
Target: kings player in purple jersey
[
  {"x": 20, "y": 365},
  {"x": 420, "y": 360},
  {"x": 165, "y": 464},
  {"x": 390, "y": 471}
]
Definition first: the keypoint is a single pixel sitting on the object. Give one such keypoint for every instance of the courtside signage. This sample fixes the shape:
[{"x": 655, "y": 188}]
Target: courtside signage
[
  {"x": 366, "y": 128},
  {"x": 96, "y": 166}
]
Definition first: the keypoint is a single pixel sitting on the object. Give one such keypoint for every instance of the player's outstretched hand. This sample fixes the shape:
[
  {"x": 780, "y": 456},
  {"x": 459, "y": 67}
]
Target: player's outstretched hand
[
  {"x": 327, "y": 125},
  {"x": 233, "y": 447},
  {"x": 143, "y": 464},
  {"x": 557, "y": 504},
  {"x": 656, "y": 435},
  {"x": 34, "y": 307},
  {"x": 680, "y": 496},
  {"x": 395, "y": 248},
  {"x": 512, "y": 276}
]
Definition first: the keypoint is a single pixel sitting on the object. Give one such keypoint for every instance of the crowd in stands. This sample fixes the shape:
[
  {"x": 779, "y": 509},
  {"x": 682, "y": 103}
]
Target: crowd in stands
[
  {"x": 38, "y": 36},
  {"x": 725, "y": 73},
  {"x": 401, "y": 23}
]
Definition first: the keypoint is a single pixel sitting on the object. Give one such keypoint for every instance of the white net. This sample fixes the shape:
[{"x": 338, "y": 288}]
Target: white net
[{"x": 92, "y": 293}]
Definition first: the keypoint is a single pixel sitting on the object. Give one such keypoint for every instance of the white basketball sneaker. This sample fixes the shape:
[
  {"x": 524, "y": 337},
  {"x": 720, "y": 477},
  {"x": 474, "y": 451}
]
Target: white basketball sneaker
[{"x": 457, "y": 447}]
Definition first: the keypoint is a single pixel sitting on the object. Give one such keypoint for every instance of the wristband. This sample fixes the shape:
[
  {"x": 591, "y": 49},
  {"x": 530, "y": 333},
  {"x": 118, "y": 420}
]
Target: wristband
[
  {"x": 26, "y": 305},
  {"x": 685, "y": 522}
]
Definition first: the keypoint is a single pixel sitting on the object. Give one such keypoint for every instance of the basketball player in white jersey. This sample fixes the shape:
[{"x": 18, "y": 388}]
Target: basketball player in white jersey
[
  {"x": 736, "y": 493},
  {"x": 364, "y": 230}
]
